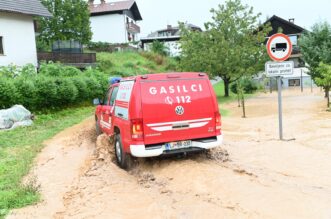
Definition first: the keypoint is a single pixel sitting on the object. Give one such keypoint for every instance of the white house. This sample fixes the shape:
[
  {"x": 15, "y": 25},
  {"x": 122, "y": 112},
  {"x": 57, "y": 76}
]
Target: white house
[
  {"x": 169, "y": 36},
  {"x": 114, "y": 22},
  {"x": 17, "y": 31}
]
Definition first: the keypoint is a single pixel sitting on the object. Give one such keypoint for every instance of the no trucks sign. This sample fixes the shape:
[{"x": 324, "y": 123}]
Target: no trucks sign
[{"x": 279, "y": 47}]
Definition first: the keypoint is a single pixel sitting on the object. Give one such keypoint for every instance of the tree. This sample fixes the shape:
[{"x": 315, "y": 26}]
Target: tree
[
  {"x": 70, "y": 21},
  {"x": 324, "y": 79},
  {"x": 315, "y": 47},
  {"x": 231, "y": 46},
  {"x": 159, "y": 48}
]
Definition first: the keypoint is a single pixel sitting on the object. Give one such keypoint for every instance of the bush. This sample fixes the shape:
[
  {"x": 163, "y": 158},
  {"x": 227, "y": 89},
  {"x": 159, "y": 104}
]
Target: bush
[
  {"x": 248, "y": 85},
  {"x": 10, "y": 71},
  {"x": 58, "y": 70},
  {"x": 171, "y": 65},
  {"x": 27, "y": 92},
  {"x": 56, "y": 86},
  {"x": 8, "y": 92},
  {"x": 50, "y": 69},
  {"x": 94, "y": 88},
  {"x": 67, "y": 92},
  {"x": 159, "y": 48},
  {"x": 69, "y": 71},
  {"x": 81, "y": 86},
  {"x": 46, "y": 92},
  {"x": 28, "y": 70},
  {"x": 104, "y": 65},
  {"x": 158, "y": 59}
]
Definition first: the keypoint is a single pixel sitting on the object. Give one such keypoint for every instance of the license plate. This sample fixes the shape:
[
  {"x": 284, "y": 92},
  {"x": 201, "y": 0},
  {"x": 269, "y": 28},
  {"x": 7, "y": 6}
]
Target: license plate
[{"x": 178, "y": 145}]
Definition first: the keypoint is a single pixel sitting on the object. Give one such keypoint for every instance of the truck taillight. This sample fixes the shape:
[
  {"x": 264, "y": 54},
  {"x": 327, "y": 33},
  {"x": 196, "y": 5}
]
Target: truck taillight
[
  {"x": 218, "y": 122},
  {"x": 137, "y": 131}
]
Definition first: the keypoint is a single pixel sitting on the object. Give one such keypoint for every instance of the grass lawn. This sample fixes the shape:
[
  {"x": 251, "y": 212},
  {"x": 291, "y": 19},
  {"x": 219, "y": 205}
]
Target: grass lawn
[
  {"x": 19, "y": 147},
  {"x": 219, "y": 90},
  {"x": 133, "y": 63}
]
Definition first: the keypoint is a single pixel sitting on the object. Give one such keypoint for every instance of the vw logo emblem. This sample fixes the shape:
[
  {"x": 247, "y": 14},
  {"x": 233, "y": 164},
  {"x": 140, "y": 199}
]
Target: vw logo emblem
[{"x": 179, "y": 110}]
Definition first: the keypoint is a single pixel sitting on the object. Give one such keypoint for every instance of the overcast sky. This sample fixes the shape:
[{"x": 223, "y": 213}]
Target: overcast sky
[{"x": 158, "y": 13}]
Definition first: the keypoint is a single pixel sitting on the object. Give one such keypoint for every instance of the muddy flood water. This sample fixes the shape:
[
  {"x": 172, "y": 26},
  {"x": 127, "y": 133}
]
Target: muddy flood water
[{"x": 253, "y": 175}]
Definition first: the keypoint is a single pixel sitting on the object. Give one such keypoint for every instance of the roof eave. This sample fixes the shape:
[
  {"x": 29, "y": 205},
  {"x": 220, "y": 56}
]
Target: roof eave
[
  {"x": 284, "y": 21},
  {"x": 29, "y": 14}
]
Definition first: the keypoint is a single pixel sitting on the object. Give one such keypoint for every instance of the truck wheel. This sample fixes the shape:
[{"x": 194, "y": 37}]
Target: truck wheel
[
  {"x": 124, "y": 160},
  {"x": 97, "y": 128}
]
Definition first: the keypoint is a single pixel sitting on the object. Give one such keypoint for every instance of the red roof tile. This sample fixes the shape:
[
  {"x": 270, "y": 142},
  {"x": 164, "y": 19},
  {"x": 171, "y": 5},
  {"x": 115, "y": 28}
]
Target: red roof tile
[{"x": 112, "y": 6}]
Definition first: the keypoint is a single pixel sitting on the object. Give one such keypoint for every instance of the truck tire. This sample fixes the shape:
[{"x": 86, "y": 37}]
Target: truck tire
[
  {"x": 124, "y": 160},
  {"x": 97, "y": 128}
]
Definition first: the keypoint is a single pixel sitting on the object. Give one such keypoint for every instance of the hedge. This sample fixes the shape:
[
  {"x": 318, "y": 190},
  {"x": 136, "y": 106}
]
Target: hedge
[{"x": 55, "y": 86}]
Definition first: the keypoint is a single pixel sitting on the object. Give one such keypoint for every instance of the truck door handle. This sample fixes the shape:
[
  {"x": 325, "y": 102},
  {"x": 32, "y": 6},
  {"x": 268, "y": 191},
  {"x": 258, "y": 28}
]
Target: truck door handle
[{"x": 120, "y": 114}]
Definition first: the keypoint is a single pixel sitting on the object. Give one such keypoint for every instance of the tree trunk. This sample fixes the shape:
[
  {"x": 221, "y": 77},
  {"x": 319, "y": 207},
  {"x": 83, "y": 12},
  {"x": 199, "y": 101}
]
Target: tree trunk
[
  {"x": 327, "y": 90},
  {"x": 226, "y": 87},
  {"x": 243, "y": 105}
]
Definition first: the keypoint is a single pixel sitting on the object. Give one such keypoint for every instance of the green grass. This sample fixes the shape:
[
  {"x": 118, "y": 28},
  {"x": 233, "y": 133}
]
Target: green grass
[
  {"x": 19, "y": 147},
  {"x": 219, "y": 90},
  {"x": 133, "y": 63}
]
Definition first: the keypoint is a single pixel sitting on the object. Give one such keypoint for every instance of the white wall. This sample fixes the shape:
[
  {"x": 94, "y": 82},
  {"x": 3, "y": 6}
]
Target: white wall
[
  {"x": 109, "y": 28},
  {"x": 19, "y": 43},
  {"x": 173, "y": 46}
]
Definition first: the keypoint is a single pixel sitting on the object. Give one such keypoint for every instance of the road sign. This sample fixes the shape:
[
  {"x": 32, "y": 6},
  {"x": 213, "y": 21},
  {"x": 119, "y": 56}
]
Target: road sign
[
  {"x": 274, "y": 69},
  {"x": 279, "y": 47}
]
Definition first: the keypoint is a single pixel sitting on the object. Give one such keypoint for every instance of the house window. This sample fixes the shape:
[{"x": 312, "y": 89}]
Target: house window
[
  {"x": 294, "y": 40},
  {"x": 1, "y": 45},
  {"x": 294, "y": 82}
]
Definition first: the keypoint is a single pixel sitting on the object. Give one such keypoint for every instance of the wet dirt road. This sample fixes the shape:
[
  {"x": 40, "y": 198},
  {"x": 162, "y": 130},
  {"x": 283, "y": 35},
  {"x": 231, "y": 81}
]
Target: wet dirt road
[{"x": 254, "y": 175}]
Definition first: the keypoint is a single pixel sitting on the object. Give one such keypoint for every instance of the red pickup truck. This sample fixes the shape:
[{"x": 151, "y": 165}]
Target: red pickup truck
[{"x": 159, "y": 114}]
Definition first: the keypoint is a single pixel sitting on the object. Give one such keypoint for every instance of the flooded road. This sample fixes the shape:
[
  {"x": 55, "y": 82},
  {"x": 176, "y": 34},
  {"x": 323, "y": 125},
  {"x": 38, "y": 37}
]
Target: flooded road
[{"x": 253, "y": 175}]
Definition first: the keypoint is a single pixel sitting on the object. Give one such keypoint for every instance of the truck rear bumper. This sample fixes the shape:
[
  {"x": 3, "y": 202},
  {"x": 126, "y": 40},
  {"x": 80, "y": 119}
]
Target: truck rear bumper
[{"x": 142, "y": 151}]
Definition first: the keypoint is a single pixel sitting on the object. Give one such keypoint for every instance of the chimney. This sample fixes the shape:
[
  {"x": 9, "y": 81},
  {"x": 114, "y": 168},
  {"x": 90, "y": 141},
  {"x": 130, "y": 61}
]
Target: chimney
[
  {"x": 90, "y": 2},
  {"x": 291, "y": 20},
  {"x": 169, "y": 27}
]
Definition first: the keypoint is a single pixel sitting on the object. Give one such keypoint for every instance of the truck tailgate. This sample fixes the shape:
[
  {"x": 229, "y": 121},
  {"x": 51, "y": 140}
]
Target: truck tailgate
[{"x": 177, "y": 109}]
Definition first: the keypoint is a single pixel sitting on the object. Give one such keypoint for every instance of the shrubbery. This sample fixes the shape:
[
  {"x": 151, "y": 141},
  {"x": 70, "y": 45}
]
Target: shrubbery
[
  {"x": 55, "y": 86},
  {"x": 248, "y": 86},
  {"x": 157, "y": 58}
]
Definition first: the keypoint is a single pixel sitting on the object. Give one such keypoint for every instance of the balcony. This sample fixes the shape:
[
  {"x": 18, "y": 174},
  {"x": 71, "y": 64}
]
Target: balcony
[
  {"x": 80, "y": 60},
  {"x": 132, "y": 27}
]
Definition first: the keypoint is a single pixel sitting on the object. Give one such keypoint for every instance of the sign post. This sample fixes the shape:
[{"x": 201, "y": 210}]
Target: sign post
[
  {"x": 279, "y": 48},
  {"x": 280, "y": 113}
]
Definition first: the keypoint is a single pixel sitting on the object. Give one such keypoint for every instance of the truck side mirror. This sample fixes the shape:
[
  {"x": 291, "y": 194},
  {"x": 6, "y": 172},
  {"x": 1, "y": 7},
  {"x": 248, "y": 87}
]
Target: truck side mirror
[{"x": 97, "y": 101}]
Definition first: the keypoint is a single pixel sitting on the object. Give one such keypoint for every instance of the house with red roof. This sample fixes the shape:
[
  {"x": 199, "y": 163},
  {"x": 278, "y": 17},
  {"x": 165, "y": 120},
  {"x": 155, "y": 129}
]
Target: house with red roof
[
  {"x": 17, "y": 31},
  {"x": 114, "y": 22}
]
